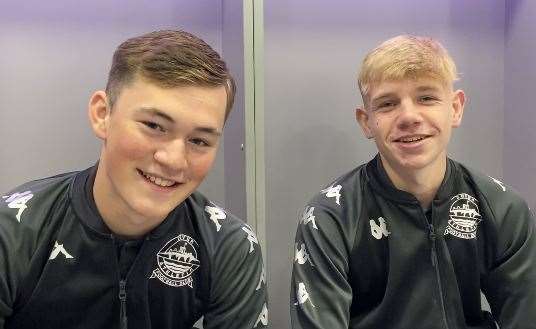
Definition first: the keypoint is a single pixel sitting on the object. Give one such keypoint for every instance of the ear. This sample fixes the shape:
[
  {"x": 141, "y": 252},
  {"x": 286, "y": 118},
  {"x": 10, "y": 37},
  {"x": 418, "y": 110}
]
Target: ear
[
  {"x": 362, "y": 116},
  {"x": 458, "y": 104},
  {"x": 99, "y": 112}
]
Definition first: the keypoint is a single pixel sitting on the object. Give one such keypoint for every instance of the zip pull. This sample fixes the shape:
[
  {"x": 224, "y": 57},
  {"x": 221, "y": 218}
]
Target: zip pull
[
  {"x": 432, "y": 236},
  {"x": 123, "y": 300}
]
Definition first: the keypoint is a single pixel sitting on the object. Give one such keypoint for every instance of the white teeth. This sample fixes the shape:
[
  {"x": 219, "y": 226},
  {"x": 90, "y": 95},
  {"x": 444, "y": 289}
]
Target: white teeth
[
  {"x": 411, "y": 139},
  {"x": 159, "y": 181}
]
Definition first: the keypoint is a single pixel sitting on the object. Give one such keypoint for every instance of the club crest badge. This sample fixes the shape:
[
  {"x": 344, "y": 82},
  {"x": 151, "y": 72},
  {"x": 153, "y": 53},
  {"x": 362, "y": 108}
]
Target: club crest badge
[
  {"x": 464, "y": 217},
  {"x": 177, "y": 261}
]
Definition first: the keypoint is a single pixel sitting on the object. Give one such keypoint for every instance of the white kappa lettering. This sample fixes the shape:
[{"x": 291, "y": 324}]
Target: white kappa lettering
[
  {"x": 59, "y": 249},
  {"x": 251, "y": 237},
  {"x": 262, "y": 279},
  {"x": 308, "y": 216},
  {"x": 378, "y": 231},
  {"x": 301, "y": 256},
  {"x": 333, "y": 192},
  {"x": 498, "y": 182},
  {"x": 18, "y": 201},
  {"x": 263, "y": 317},
  {"x": 215, "y": 215},
  {"x": 302, "y": 295}
]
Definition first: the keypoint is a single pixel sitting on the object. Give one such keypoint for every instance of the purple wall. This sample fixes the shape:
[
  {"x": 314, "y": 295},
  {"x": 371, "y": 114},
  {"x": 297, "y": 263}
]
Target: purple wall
[{"x": 519, "y": 100}]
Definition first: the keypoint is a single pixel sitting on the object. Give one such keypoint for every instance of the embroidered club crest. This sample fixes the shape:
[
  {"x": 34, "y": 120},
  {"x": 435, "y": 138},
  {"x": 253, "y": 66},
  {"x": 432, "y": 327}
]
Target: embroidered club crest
[
  {"x": 177, "y": 260},
  {"x": 464, "y": 217}
]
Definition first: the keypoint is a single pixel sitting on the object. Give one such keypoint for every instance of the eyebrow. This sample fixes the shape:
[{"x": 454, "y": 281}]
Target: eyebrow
[
  {"x": 392, "y": 94},
  {"x": 159, "y": 113},
  {"x": 427, "y": 88},
  {"x": 382, "y": 97},
  {"x": 156, "y": 112}
]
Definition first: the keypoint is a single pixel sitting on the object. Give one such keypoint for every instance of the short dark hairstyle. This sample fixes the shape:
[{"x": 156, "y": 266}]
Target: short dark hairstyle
[{"x": 169, "y": 58}]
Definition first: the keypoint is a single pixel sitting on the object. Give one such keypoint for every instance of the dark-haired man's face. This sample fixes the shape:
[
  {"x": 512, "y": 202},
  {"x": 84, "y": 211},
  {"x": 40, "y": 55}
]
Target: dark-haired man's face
[{"x": 159, "y": 144}]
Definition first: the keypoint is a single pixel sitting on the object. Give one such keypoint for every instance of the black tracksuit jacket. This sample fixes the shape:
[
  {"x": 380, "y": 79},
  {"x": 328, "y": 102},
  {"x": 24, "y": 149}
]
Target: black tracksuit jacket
[
  {"x": 368, "y": 256},
  {"x": 60, "y": 267}
]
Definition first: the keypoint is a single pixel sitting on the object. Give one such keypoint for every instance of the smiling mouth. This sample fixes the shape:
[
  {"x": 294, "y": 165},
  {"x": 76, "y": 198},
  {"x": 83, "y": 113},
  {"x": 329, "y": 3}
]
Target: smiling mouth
[
  {"x": 411, "y": 139},
  {"x": 159, "y": 181}
]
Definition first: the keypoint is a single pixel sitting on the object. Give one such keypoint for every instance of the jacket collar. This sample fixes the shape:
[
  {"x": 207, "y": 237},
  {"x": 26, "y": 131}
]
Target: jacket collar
[
  {"x": 381, "y": 183},
  {"x": 81, "y": 194}
]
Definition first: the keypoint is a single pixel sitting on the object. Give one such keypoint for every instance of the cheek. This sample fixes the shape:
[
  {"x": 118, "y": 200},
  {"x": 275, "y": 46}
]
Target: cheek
[
  {"x": 130, "y": 146},
  {"x": 201, "y": 164}
]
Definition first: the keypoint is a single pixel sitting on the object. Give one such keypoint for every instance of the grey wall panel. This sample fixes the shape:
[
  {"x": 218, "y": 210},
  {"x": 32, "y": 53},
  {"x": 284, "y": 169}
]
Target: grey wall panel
[
  {"x": 312, "y": 53},
  {"x": 54, "y": 55},
  {"x": 519, "y": 113},
  {"x": 234, "y": 158}
]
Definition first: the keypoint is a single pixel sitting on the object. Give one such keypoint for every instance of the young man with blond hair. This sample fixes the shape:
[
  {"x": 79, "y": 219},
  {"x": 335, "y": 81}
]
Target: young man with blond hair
[
  {"x": 129, "y": 243},
  {"x": 411, "y": 238}
]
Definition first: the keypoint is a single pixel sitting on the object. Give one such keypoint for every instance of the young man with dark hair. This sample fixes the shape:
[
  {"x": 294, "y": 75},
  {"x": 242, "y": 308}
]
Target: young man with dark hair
[
  {"x": 411, "y": 238},
  {"x": 128, "y": 243}
]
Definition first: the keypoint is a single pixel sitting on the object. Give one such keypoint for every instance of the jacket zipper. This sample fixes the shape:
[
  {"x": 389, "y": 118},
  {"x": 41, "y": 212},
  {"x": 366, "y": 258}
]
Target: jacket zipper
[
  {"x": 435, "y": 264},
  {"x": 123, "y": 300}
]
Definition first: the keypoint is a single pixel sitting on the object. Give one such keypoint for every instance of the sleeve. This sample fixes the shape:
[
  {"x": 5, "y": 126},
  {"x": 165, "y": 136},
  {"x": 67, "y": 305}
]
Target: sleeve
[
  {"x": 321, "y": 294},
  {"x": 13, "y": 252},
  {"x": 6, "y": 286},
  {"x": 238, "y": 298},
  {"x": 511, "y": 285}
]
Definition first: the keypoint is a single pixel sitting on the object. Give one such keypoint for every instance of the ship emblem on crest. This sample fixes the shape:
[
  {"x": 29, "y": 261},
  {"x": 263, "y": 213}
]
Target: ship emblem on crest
[
  {"x": 177, "y": 260},
  {"x": 464, "y": 217}
]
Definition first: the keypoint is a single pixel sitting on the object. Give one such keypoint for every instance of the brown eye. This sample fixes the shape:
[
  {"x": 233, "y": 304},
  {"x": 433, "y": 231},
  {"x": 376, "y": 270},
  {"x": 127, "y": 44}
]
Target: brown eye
[
  {"x": 199, "y": 142},
  {"x": 153, "y": 126}
]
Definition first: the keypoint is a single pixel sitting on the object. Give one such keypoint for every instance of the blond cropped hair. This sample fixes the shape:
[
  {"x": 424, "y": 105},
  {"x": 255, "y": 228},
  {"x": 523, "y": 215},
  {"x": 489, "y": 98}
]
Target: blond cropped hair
[{"x": 406, "y": 57}]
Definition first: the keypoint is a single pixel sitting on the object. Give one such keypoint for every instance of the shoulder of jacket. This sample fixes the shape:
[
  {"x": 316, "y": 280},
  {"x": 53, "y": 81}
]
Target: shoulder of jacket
[
  {"x": 341, "y": 192},
  {"x": 217, "y": 225},
  {"x": 336, "y": 209},
  {"x": 30, "y": 204},
  {"x": 498, "y": 196}
]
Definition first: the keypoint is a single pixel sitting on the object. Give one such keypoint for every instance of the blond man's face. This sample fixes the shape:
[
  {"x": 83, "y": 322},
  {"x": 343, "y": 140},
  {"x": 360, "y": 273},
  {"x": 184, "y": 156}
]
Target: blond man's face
[{"x": 411, "y": 121}]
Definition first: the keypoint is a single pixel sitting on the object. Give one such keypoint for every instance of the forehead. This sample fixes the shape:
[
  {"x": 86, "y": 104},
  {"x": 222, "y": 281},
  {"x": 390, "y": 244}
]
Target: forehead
[
  {"x": 404, "y": 86},
  {"x": 181, "y": 102}
]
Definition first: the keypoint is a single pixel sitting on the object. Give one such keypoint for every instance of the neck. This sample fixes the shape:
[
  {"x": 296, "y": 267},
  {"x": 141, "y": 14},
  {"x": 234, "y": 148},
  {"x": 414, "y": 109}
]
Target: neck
[
  {"x": 422, "y": 183},
  {"x": 114, "y": 213}
]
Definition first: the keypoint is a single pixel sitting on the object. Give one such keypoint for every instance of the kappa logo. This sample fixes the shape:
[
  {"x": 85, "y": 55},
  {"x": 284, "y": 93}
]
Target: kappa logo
[
  {"x": 250, "y": 236},
  {"x": 18, "y": 201},
  {"x": 301, "y": 256},
  {"x": 379, "y": 231},
  {"x": 308, "y": 216},
  {"x": 464, "y": 217},
  {"x": 59, "y": 249},
  {"x": 262, "y": 279},
  {"x": 302, "y": 295},
  {"x": 216, "y": 214},
  {"x": 333, "y": 192},
  {"x": 263, "y": 317},
  {"x": 498, "y": 182},
  {"x": 177, "y": 261}
]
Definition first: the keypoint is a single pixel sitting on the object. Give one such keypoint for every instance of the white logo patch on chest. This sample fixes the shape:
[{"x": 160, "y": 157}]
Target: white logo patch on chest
[
  {"x": 464, "y": 217},
  {"x": 18, "y": 201},
  {"x": 379, "y": 231},
  {"x": 177, "y": 260}
]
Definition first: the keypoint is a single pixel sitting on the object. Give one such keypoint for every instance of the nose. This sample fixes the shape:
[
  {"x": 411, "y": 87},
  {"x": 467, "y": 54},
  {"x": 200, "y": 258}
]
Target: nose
[
  {"x": 173, "y": 155},
  {"x": 409, "y": 115}
]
